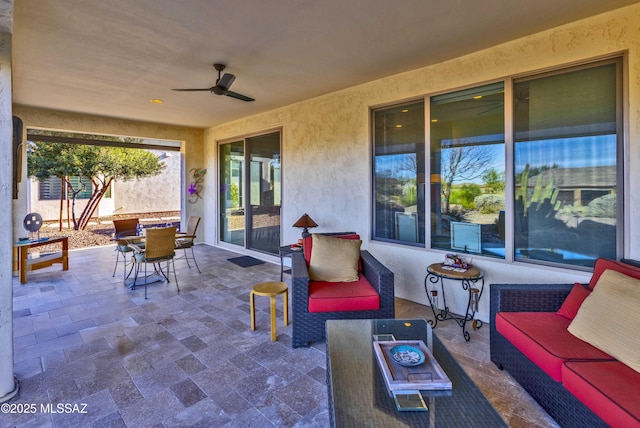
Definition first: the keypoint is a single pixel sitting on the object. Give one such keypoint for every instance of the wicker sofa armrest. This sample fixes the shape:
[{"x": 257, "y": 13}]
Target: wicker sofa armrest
[
  {"x": 527, "y": 297},
  {"x": 299, "y": 280},
  {"x": 380, "y": 277}
]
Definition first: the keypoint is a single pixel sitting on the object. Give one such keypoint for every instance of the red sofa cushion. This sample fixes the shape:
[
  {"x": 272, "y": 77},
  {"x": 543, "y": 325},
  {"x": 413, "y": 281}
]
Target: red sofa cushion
[
  {"x": 544, "y": 339},
  {"x": 574, "y": 300},
  {"x": 609, "y": 388},
  {"x": 604, "y": 264},
  {"x": 343, "y": 296},
  {"x": 307, "y": 246}
]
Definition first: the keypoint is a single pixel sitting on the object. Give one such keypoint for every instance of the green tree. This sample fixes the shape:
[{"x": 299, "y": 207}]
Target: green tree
[
  {"x": 99, "y": 163},
  {"x": 493, "y": 181},
  {"x": 460, "y": 164}
]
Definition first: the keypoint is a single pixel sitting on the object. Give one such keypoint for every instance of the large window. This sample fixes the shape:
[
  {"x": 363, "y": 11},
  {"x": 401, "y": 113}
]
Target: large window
[
  {"x": 467, "y": 170},
  {"x": 399, "y": 173},
  {"x": 538, "y": 181},
  {"x": 566, "y": 145}
]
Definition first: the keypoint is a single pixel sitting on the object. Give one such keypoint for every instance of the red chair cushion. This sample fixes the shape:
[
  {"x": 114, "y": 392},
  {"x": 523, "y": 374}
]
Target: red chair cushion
[
  {"x": 608, "y": 388},
  {"x": 543, "y": 337},
  {"x": 307, "y": 246},
  {"x": 604, "y": 264},
  {"x": 574, "y": 300},
  {"x": 343, "y": 296}
]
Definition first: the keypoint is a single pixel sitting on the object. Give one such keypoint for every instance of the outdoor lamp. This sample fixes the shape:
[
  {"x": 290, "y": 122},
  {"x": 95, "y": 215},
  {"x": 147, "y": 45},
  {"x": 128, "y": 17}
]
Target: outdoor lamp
[{"x": 305, "y": 222}]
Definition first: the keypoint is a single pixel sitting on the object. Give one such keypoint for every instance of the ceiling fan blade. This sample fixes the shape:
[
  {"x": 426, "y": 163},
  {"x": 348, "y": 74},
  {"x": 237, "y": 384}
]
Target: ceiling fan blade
[
  {"x": 223, "y": 83},
  {"x": 226, "y": 80},
  {"x": 202, "y": 89},
  {"x": 238, "y": 96}
]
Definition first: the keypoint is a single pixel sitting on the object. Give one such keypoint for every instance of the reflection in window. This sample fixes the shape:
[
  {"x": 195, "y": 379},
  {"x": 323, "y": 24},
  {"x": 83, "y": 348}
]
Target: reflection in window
[
  {"x": 468, "y": 169},
  {"x": 566, "y": 173},
  {"x": 399, "y": 173}
]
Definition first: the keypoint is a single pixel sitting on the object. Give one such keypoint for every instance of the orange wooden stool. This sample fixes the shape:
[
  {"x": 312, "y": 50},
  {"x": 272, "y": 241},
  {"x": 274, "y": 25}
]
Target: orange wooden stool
[{"x": 271, "y": 290}]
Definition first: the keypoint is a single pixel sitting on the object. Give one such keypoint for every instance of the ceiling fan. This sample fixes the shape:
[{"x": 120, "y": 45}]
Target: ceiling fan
[{"x": 223, "y": 83}]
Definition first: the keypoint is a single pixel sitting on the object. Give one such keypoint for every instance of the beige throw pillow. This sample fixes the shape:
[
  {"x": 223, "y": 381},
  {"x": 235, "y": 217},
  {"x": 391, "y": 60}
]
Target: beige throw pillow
[
  {"x": 334, "y": 259},
  {"x": 608, "y": 319}
]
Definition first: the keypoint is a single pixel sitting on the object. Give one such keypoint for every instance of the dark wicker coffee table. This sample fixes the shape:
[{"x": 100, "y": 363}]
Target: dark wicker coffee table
[{"x": 359, "y": 397}]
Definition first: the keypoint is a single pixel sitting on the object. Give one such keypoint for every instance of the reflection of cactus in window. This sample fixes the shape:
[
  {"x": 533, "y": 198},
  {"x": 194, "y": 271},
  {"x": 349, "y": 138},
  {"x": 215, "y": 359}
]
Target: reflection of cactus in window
[
  {"x": 543, "y": 200},
  {"x": 234, "y": 193}
]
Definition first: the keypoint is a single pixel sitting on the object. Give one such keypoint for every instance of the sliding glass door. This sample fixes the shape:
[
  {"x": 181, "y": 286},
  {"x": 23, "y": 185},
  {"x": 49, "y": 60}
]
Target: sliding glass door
[
  {"x": 232, "y": 191},
  {"x": 250, "y": 194}
]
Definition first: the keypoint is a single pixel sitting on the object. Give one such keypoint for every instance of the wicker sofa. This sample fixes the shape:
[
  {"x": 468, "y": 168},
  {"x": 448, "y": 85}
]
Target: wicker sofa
[
  {"x": 310, "y": 326},
  {"x": 576, "y": 383}
]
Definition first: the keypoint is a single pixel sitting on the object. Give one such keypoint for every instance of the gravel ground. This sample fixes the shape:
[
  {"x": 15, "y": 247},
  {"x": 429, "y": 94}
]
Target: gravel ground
[{"x": 100, "y": 230}]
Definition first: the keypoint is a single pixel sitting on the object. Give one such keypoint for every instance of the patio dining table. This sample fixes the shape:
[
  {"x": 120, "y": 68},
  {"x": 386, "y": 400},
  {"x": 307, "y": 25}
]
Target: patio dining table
[{"x": 136, "y": 243}]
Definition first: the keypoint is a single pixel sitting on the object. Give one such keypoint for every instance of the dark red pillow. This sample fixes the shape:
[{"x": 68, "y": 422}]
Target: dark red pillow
[
  {"x": 604, "y": 264},
  {"x": 574, "y": 300}
]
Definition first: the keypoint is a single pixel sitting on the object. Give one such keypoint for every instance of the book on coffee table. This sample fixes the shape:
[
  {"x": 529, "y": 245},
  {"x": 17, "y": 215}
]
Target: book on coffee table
[{"x": 409, "y": 365}]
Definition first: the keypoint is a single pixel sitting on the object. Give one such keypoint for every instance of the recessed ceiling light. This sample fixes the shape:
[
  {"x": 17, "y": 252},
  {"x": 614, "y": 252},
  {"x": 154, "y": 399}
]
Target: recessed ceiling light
[
  {"x": 477, "y": 97},
  {"x": 157, "y": 101},
  {"x": 434, "y": 120},
  {"x": 398, "y": 126},
  {"x": 405, "y": 110}
]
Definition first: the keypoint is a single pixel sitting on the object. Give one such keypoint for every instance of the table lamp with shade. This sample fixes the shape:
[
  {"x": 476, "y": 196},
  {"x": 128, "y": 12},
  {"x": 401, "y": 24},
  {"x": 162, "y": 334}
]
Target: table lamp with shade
[{"x": 305, "y": 222}]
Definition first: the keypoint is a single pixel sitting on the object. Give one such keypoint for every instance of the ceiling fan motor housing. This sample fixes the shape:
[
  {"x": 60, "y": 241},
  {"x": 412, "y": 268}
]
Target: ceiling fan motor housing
[{"x": 224, "y": 83}]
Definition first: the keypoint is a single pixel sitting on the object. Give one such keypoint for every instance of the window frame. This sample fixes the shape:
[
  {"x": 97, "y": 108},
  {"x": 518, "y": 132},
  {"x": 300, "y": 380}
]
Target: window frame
[
  {"x": 620, "y": 60},
  {"x": 421, "y": 229},
  {"x": 622, "y": 144}
]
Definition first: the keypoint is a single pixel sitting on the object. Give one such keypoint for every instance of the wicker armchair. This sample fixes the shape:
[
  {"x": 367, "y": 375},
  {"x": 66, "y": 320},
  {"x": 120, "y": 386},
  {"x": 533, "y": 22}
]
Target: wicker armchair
[
  {"x": 186, "y": 242},
  {"x": 124, "y": 227},
  {"x": 310, "y": 326}
]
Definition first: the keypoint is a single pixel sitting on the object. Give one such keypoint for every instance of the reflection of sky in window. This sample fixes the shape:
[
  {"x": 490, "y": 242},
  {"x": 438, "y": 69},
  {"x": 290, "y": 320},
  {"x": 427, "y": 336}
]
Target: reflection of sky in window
[
  {"x": 397, "y": 165},
  {"x": 578, "y": 152},
  {"x": 496, "y": 153}
]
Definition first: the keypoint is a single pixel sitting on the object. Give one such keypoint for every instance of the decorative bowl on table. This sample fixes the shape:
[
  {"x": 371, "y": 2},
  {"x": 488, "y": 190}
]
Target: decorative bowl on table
[{"x": 407, "y": 355}]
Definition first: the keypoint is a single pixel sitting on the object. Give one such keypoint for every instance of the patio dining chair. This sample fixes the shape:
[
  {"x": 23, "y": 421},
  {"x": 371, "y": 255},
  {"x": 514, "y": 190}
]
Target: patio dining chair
[
  {"x": 186, "y": 242},
  {"x": 158, "y": 248},
  {"x": 124, "y": 227}
]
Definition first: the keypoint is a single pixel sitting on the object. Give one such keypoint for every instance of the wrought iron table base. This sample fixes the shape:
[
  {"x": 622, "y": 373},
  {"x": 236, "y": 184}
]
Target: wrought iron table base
[{"x": 469, "y": 285}]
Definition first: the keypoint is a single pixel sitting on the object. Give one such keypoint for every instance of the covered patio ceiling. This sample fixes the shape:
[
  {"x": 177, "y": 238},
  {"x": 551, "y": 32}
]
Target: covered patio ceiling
[{"x": 110, "y": 58}]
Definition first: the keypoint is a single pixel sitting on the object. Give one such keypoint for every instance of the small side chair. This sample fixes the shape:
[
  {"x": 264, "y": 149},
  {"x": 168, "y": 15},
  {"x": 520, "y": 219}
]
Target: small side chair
[
  {"x": 158, "y": 248},
  {"x": 186, "y": 242},
  {"x": 124, "y": 227}
]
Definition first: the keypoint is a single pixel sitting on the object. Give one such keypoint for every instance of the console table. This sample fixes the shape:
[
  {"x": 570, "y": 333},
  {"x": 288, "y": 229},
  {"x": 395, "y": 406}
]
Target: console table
[
  {"x": 470, "y": 279},
  {"x": 25, "y": 264}
]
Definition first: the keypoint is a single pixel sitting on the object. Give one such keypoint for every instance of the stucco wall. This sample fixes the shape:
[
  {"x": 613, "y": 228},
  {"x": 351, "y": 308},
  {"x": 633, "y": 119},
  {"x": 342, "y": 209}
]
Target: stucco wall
[
  {"x": 326, "y": 155},
  {"x": 191, "y": 149}
]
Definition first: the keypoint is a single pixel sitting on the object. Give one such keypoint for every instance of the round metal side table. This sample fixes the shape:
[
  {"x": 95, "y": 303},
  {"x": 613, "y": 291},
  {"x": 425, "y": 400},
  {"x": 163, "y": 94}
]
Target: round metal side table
[{"x": 472, "y": 281}]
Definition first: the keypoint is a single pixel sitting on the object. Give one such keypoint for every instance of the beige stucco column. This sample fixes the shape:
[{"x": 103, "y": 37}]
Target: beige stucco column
[{"x": 8, "y": 386}]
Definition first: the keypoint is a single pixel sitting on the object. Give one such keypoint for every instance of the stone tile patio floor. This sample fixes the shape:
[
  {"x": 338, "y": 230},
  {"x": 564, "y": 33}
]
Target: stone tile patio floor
[{"x": 189, "y": 358}]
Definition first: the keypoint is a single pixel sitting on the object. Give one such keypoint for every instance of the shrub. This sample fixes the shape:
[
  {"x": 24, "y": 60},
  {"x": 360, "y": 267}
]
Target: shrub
[
  {"x": 489, "y": 204},
  {"x": 465, "y": 195},
  {"x": 604, "y": 206}
]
